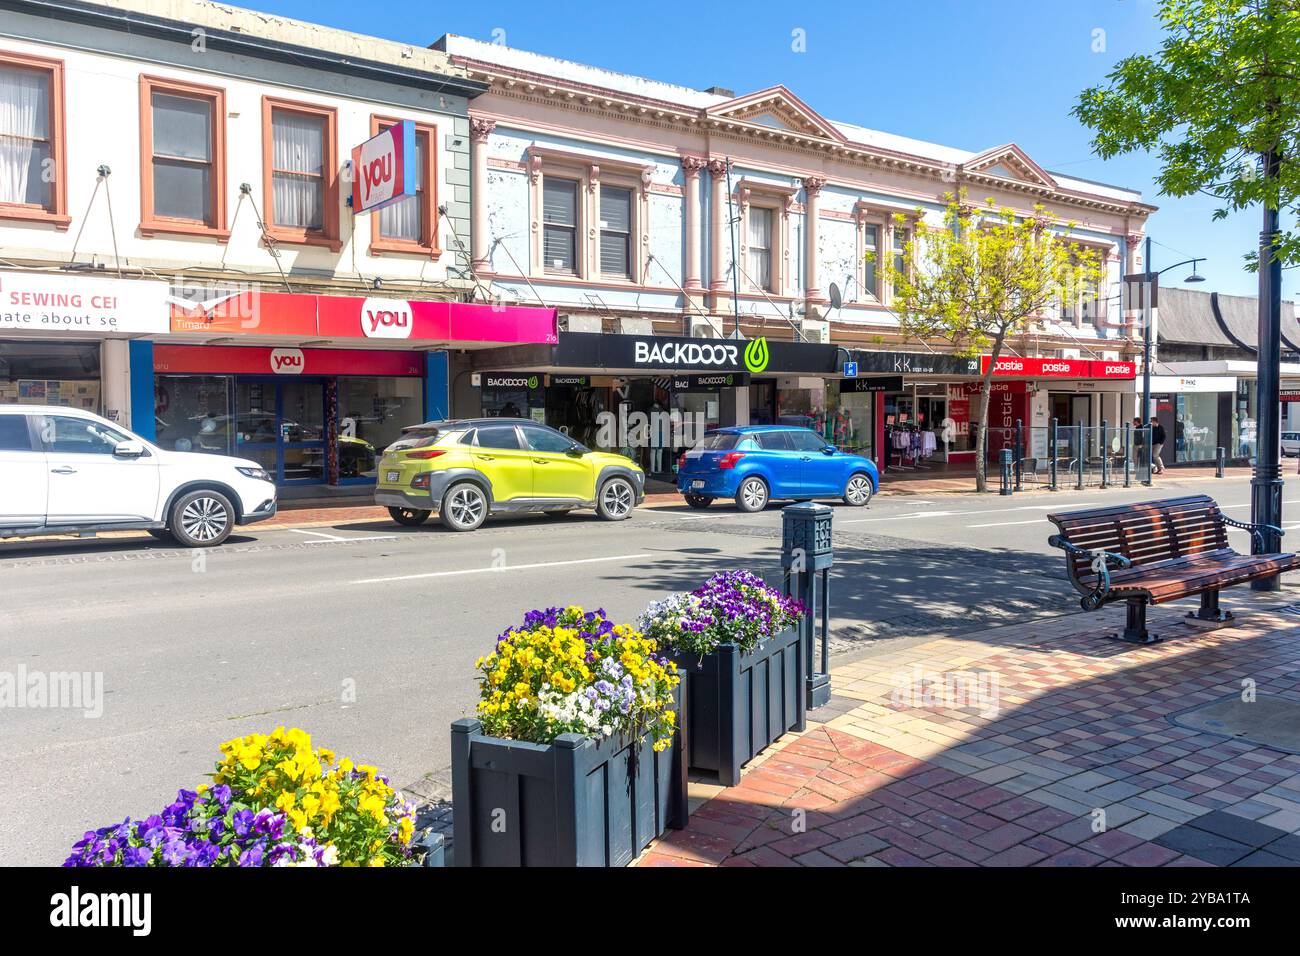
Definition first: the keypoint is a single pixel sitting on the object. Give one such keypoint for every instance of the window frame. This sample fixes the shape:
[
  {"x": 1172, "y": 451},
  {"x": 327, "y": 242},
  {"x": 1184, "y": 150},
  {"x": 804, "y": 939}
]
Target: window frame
[
  {"x": 430, "y": 222},
  {"x": 872, "y": 269},
  {"x": 774, "y": 281},
  {"x": 56, "y": 213},
  {"x": 615, "y": 182},
  {"x": 780, "y": 199},
  {"x": 328, "y": 235},
  {"x": 579, "y": 262},
  {"x": 150, "y": 223}
]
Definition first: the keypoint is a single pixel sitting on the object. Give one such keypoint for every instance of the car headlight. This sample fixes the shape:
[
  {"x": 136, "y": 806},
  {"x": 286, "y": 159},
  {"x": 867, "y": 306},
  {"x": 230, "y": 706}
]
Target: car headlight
[{"x": 260, "y": 474}]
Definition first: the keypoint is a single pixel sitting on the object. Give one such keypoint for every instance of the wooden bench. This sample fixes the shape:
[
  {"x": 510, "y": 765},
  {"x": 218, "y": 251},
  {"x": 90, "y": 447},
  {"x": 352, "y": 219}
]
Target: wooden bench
[{"x": 1160, "y": 551}]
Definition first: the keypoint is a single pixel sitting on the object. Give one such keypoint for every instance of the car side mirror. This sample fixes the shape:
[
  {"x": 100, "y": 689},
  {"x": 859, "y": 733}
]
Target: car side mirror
[
  {"x": 828, "y": 449},
  {"x": 128, "y": 449},
  {"x": 576, "y": 450}
]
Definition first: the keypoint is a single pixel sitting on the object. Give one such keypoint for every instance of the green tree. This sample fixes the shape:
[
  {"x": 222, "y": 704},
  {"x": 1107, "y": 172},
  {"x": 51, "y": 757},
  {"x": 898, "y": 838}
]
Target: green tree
[
  {"x": 981, "y": 277},
  {"x": 1223, "y": 90}
]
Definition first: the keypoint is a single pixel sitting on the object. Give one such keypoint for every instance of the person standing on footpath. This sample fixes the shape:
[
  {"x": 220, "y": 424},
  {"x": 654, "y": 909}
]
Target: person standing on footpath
[{"x": 1157, "y": 443}]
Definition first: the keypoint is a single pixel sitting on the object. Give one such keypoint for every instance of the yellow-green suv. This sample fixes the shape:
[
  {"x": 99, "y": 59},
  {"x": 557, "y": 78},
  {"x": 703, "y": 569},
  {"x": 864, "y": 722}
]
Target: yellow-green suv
[{"x": 468, "y": 469}]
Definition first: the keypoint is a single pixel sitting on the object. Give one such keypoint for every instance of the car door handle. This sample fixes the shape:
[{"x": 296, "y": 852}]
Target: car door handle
[
  {"x": 805, "y": 458},
  {"x": 539, "y": 461},
  {"x": 64, "y": 470},
  {"x": 486, "y": 457}
]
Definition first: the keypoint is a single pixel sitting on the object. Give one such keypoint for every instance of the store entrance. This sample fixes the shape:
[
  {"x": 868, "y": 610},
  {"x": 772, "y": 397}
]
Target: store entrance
[{"x": 280, "y": 424}]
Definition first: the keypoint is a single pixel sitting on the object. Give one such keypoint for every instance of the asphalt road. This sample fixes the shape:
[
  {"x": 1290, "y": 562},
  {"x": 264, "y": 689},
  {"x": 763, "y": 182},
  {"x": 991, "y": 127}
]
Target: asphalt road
[{"x": 365, "y": 633}]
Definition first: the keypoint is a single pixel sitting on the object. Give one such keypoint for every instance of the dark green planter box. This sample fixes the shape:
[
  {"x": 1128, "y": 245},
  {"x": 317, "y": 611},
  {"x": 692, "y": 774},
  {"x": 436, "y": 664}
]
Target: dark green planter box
[
  {"x": 575, "y": 802},
  {"x": 738, "y": 703}
]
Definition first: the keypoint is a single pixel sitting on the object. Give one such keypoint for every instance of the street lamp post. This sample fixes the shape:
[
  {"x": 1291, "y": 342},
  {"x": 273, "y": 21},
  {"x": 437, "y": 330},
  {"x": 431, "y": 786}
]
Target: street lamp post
[
  {"x": 1150, "y": 285},
  {"x": 1266, "y": 484}
]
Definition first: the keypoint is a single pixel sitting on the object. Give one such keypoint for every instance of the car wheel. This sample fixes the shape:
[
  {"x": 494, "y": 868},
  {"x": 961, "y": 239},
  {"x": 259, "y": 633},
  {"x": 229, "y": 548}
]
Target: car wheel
[
  {"x": 752, "y": 495},
  {"x": 699, "y": 501},
  {"x": 464, "y": 507},
  {"x": 202, "y": 519},
  {"x": 411, "y": 517},
  {"x": 858, "y": 491},
  {"x": 557, "y": 512},
  {"x": 162, "y": 534},
  {"x": 616, "y": 499}
]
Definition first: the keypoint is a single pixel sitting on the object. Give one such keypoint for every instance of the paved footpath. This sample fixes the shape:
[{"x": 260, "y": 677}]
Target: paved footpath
[{"x": 1073, "y": 758}]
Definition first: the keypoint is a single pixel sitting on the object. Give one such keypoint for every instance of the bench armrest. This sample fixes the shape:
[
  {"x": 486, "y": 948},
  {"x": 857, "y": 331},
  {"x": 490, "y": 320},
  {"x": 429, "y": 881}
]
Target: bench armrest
[
  {"x": 1256, "y": 530},
  {"x": 1101, "y": 561}
]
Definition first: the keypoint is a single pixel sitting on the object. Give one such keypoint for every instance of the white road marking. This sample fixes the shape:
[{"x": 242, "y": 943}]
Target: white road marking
[
  {"x": 324, "y": 538},
  {"x": 1005, "y": 524},
  {"x": 984, "y": 511},
  {"x": 495, "y": 570}
]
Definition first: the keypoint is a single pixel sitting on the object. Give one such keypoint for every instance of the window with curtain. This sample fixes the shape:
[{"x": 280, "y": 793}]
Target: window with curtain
[
  {"x": 298, "y": 169},
  {"x": 405, "y": 220},
  {"x": 758, "y": 247},
  {"x": 871, "y": 243},
  {"x": 26, "y": 163},
  {"x": 560, "y": 224},
  {"x": 616, "y": 231},
  {"x": 182, "y": 156}
]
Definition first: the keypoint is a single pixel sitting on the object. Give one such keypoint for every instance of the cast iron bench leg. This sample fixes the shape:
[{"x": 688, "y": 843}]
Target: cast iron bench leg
[
  {"x": 1135, "y": 631},
  {"x": 1210, "y": 610}
]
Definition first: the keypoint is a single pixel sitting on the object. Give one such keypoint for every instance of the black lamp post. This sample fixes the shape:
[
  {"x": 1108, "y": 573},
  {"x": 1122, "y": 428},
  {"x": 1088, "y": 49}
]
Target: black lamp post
[
  {"x": 1151, "y": 282},
  {"x": 1266, "y": 483}
]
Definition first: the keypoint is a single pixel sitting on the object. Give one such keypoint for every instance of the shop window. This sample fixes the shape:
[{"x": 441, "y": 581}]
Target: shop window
[
  {"x": 560, "y": 225},
  {"x": 182, "y": 158},
  {"x": 32, "y": 144},
  {"x": 412, "y": 224},
  {"x": 616, "y": 231},
  {"x": 300, "y": 160},
  {"x": 37, "y": 373},
  {"x": 372, "y": 413},
  {"x": 758, "y": 247},
  {"x": 192, "y": 413}
]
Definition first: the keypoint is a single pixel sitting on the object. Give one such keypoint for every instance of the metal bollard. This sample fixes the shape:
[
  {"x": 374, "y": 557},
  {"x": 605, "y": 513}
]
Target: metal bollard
[
  {"x": 807, "y": 553},
  {"x": 1020, "y": 455},
  {"x": 1220, "y": 460},
  {"x": 1051, "y": 452},
  {"x": 1128, "y": 454},
  {"x": 1105, "y": 455},
  {"x": 1078, "y": 455},
  {"x": 1008, "y": 484}
]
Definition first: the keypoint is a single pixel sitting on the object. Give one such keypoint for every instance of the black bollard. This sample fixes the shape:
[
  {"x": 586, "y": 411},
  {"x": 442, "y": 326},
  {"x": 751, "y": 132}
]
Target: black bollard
[{"x": 807, "y": 553}]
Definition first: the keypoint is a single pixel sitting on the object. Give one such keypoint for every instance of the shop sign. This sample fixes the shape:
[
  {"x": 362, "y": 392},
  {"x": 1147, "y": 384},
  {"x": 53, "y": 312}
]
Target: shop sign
[
  {"x": 892, "y": 383},
  {"x": 671, "y": 354},
  {"x": 915, "y": 363},
  {"x": 1289, "y": 396},
  {"x": 1191, "y": 383},
  {"x": 386, "y": 319},
  {"x": 1059, "y": 368},
  {"x": 55, "y": 302},
  {"x": 255, "y": 360},
  {"x": 577, "y": 381},
  {"x": 688, "y": 383},
  {"x": 384, "y": 168},
  {"x": 514, "y": 380},
  {"x": 1005, "y": 388}
]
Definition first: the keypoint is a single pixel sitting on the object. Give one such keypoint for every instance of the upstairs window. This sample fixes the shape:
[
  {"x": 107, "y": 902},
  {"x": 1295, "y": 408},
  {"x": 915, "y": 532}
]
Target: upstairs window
[
  {"x": 759, "y": 247},
  {"x": 31, "y": 139},
  {"x": 560, "y": 225},
  {"x": 871, "y": 246},
  {"x": 301, "y": 172},
  {"x": 616, "y": 231},
  {"x": 182, "y": 157}
]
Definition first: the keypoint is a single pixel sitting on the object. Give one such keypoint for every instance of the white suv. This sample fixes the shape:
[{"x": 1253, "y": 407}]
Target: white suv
[{"x": 65, "y": 470}]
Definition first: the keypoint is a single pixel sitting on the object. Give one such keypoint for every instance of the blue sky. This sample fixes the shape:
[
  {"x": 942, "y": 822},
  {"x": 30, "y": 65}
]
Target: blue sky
[{"x": 968, "y": 73}]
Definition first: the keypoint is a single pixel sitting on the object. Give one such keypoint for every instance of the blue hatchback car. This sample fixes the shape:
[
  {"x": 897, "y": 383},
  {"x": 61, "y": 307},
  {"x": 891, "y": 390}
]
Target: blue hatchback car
[{"x": 755, "y": 463}]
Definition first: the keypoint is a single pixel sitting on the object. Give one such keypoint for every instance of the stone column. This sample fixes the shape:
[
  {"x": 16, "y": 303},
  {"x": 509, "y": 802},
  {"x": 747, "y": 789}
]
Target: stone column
[
  {"x": 812, "y": 187},
  {"x": 718, "y": 227},
  {"x": 479, "y": 131},
  {"x": 691, "y": 166}
]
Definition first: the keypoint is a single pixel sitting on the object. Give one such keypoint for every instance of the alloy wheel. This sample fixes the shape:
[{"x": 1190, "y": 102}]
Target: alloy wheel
[
  {"x": 204, "y": 518},
  {"x": 858, "y": 491},
  {"x": 754, "y": 493},
  {"x": 616, "y": 497}
]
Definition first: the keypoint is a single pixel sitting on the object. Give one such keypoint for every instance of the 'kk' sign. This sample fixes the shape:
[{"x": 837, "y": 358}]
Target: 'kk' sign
[{"x": 384, "y": 168}]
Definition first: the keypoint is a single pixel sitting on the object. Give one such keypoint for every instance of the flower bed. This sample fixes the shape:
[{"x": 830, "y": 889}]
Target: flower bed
[
  {"x": 740, "y": 642},
  {"x": 274, "y": 801},
  {"x": 575, "y": 757}
]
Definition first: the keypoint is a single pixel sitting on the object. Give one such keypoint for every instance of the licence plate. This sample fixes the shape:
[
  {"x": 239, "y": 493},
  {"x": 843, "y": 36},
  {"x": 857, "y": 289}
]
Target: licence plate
[
  {"x": 393, "y": 476},
  {"x": 697, "y": 483}
]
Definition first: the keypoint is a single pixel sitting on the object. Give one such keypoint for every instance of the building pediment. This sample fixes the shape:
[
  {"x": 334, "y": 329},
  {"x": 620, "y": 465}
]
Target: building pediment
[
  {"x": 1010, "y": 162},
  {"x": 778, "y": 108}
]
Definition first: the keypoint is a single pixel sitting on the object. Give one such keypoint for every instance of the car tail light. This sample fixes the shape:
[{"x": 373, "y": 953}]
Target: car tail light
[
  {"x": 730, "y": 458},
  {"x": 426, "y": 453},
  {"x": 421, "y": 480}
]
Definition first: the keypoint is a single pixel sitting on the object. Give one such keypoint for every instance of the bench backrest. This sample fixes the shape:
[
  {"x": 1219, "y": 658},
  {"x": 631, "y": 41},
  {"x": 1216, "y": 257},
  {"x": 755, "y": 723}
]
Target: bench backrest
[{"x": 1147, "y": 532}]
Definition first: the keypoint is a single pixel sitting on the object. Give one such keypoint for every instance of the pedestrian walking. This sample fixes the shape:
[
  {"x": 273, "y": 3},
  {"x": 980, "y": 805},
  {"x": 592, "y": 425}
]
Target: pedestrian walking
[{"x": 1157, "y": 443}]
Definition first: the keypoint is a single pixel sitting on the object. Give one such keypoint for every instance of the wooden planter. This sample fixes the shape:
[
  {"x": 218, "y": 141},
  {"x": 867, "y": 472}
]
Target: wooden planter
[
  {"x": 739, "y": 702},
  {"x": 574, "y": 802}
]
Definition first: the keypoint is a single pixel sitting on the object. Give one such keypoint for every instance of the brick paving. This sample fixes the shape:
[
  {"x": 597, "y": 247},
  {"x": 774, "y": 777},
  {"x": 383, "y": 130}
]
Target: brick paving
[{"x": 1071, "y": 758}]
